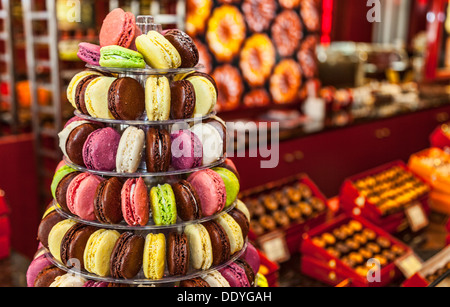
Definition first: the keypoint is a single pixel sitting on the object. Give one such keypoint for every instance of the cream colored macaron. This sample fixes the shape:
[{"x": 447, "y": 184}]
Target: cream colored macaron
[
  {"x": 96, "y": 97},
  {"x": 233, "y": 231},
  {"x": 72, "y": 88},
  {"x": 129, "y": 153},
  {"x": 201, "y": 254},
  {"x": 157, "y": 98}
]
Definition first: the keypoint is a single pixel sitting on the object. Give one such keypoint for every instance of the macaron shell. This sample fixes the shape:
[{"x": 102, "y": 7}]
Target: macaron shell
[
  {"x": 47, "y": 276},
  {"x": 219, "y": 241},
  {"x": 186, "y": 149},
  {"x": 59, "y": 175},
  {"x": 235, "y": 275},
  {"x": 233, "y": 231},
  {"x": 177, "y": 254},
  {"x": 100, "y": 149},
  {"x": 210, "y": 189},
  {"x": 126, "y": 258},
  {"x": 135, "y": 202},
  {"x": 157, "y": 98},
  {"x": 89, "y": 53},
  {"x": 118, "y": 28},
  {"x": 61, "y": 190},
  {"x": 216, "y": 280},
  {"x": 68, "y": 281},
  {"x": 213, "y": 143},
  {"x": 46, "y": 225},
  {"x": 130, "y": 150},
  {"x": 81, "y": 195},
  {"x": 96, "y": 97},
  {"x": 200, "y": 247},
  {"x": 126, "y": 99},
  {"x": 157, "y": 150},
  {"x": 74, "y": 83},
  {"x": 251, "y": 256},
  {"x": 56, "y": 235},
  {"x": 244, "y": 209},
  {"x": 205, "y": 93},
  {"x": 232, "y": 184},
  {"x": 185, "y": 46},
  {"x": 158, "y": 52},
  {"x": 107, "y": 204},
  {"x": 65, "y": 133},
  {"x": 187, "y": 201},
  {"x": 154, "y": 256},
  {"x": 98, "y": 251},
  {"x": 163, "y": 205},
  {"x": 36, "y": 266},
  {"x": 76, "y": 140},
  {"x": 74, "y": 243},
  {"x": 116, "y": 56},
  {"x": 183, "y": 98}
]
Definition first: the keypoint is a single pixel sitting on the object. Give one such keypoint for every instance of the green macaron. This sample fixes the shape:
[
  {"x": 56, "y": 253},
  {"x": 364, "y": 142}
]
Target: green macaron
[
  {"x": 232, "y": 185},
  {"x": 163, "y": 205},
  {"x": 59, "y": 175},
  {"x": 119, "y": 57}
]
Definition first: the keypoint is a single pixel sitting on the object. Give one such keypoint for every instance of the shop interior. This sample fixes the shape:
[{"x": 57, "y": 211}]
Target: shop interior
[{"x": 354, "y": 98}]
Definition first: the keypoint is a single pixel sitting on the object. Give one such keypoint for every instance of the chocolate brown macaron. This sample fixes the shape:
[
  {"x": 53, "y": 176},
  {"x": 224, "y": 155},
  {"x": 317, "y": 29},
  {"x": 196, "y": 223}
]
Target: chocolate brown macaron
[
  {"x": 183, "y": 99},
  {"x": 158, "y": 150},
  {"x": 47, "y": 276},
  {"x": 61, "y": 190},
  {"x": 188, "y": 202},
  {"x": 219, "y": 241},
  {"x": 177, "y": 254},
  {"x": 126, "y": 99},
  {"x": 80, "y": 92},
  {"x": 248, "y": 271},
  {"x": 242, "y": 220},
  {"x": 76, "y": 140},
  {"x": 185, "y": 46},
  {"x": 126, "y": 258},
  {"x": 46, "y": 226},
  {"x": 74, "y": 243},
  {"x": 107, "y": 202}
]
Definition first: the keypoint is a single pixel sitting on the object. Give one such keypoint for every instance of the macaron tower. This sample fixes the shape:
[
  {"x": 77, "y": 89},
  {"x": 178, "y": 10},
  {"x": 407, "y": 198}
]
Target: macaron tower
[{"x": 144, "y": 195}]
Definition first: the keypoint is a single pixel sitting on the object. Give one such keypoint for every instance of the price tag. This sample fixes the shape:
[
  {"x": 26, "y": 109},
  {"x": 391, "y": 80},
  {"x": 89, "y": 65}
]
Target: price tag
[
  {"x": 416, "y": 216},
  {"x": 409, "y": 264},
  {"x": 274, "y": 246}
]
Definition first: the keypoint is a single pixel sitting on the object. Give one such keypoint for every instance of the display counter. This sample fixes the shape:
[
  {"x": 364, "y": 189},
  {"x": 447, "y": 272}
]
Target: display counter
[{"x": 330, "y": 153}]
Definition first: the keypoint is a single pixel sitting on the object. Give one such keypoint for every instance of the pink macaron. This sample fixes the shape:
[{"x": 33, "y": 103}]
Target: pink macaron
[
  {"x": 135, "y": 202},
  {"x": 119, "y": 28},
  {"x": 36, "y": 266},
  {"x": 235, "y": 275},
  {"x": 81, "y": 194},
  {"x": 89, "y": 53},
  {"x": 210, "y": 189},
  {"x": 186, "y": 149},
  {"x": 100, "y": 149},
  {"x": 251, "y": 256}
]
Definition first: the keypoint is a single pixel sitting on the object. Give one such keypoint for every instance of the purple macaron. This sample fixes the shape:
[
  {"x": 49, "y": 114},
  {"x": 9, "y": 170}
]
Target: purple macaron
[
  {"x": 251, "y": 256},
  {"x": 100, "y": 149},
  {"x": 187, "y": 150},
  {"x": 95, "y": 284},
  {"x": 235, "y": 275},
  {"x": 89, "y": 53},
  {"x": 36, "y": 266}
]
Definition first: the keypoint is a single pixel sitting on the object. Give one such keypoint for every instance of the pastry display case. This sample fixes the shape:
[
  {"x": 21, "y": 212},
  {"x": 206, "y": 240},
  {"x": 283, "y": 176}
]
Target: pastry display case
[
  {"x": 341, "y": 248},
  {"x": 282, "y": 211},
  {"x": 383, "y": 194}
]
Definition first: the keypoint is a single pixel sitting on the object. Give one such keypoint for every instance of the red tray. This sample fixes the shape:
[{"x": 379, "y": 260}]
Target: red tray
[
  {"x": 4, "y": 247},
  {"x": 329, "y": 263},
  {"x": 352, "y": 202},
  {"x": 270, "y": 270},
  {"x": 430, "y": 266},
  {"x": 439, "y": 139},
  {"x": 293, "y": 233}
]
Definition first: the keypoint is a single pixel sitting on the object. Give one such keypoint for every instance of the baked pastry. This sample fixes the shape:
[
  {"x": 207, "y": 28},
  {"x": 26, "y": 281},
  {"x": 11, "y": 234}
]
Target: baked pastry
[
  {"x": 204, "y": 57},
  {"x": 257, "y": 59},
  {"x": 289, "y": 4},
  {"x": 318, "y": 204},
  {"x": 226, "y": 32},
  {"x": 268, "y": 222},
  {"x": 196, "y": 16},
  {"x": 329, "y": 238},
  {"x": 259, "y": 13},
  {"x": 310, "y": 15},
  {"x": 256, "y": 228},
  {"x": 319, "y": 242},
  {"x": 281, "y": 218},
  {"x": 256, "y": 98},
  {"x": 293, "y": 194},
  {"x": 270, "y": 203},
  {"x": 305, "y": 190},
  {"x": 294, "y": 212},
  {"x": 285, "y": 82},
  {"x": 230, "y": 87},
  {"x": 307, "y": 59},
  {"x": 287, "y": 31}
]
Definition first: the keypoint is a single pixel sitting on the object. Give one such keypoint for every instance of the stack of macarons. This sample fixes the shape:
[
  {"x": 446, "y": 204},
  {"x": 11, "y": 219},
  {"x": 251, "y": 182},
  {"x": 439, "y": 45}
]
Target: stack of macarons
[
  {"x": 122, "y": 45},
  {"x": 113, "y": 200},
  {"x": 155, "y": 255},
  {"x": 99, "y": 95},
  {"x": 100, "y": 148}
]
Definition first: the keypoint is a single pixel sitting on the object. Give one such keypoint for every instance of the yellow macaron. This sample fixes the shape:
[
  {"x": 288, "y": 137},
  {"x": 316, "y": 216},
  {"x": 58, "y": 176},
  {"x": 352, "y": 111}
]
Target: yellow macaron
[
  {"x": 233, "y": 231},
  {"x": 205, "y": 94},
  {"x": 72, "y": 88},
  {"x": 154, "y": 256},
  {"x": 56, "y": 235},
  {"x": 98, "y": 251},
  {"x": 201, "y": 254},
  {"x": 158, "y": 52},
  {"x": 157, "y": 98},
  {"x": 96, "y": 97}
]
